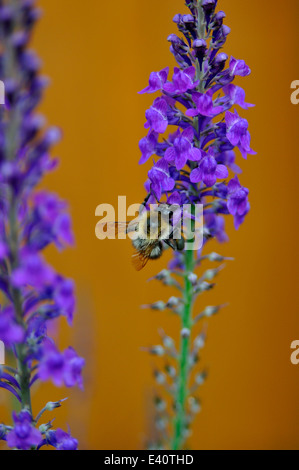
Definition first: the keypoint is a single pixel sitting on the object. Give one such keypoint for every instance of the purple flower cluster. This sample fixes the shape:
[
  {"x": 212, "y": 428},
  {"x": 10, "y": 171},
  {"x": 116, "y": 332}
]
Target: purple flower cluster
[
  {"x": 30, "y": 221},
  {"x": 197, "y": 160}
]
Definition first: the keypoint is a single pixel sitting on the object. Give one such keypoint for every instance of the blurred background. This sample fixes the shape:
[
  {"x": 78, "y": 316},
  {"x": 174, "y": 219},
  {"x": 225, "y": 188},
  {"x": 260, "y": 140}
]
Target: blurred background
[{"x": 98, "y": 55}]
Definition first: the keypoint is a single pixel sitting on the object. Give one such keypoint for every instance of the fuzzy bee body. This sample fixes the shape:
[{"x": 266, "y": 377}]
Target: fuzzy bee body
[{"x": 152, "y": 229}]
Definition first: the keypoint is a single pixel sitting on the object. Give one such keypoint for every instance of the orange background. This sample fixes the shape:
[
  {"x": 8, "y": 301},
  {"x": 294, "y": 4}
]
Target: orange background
[{"x": 98, "y": 55}]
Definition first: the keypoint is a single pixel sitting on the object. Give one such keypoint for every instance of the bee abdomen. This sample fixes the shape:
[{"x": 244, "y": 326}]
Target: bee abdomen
[{"x": 139, "y": 243}]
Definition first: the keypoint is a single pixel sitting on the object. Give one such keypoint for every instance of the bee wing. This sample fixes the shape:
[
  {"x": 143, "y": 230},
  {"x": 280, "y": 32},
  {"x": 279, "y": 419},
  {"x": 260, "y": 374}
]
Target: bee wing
[
  {"x": 140, "y": 258},
  {"x": 114, "y": 228}
]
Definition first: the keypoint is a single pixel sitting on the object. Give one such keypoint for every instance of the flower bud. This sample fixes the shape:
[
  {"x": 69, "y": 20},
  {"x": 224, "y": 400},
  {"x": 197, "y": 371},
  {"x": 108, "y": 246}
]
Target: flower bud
[
  {"x": 168, "y": 342},
  {"x": 193, "y": 359},
  {"x": 219, "y": 258},
  {"x": 157, "y": 350},
  {"x": 164, "y": 274},
  {"x": 210, "y": 311},
  {"x": 173, "y": 302},
  {"x": 192, "y": 278},
  {"x": 160, "y": 404},
  {"x": 11, "y": 92},
  {"x": 200, "y": 47},
  {"x": 53, "y": 405},
  {"x": 20, "y": 40},
  {"x": 160, "y": 377},
  {"x": 44, "y": 428},
  {"x": 209, "y": 8},
  {"x": 178, "y": 44},
  {"x": 195, "y": 405},
  {"x": 189, "y": 23},
  {"x": 203, "y": 287},
  {"x": 199, "y": 341},
  {"x": 161, "y": 424},
  {"x": 210, "y": 274},
  {"x": 217, "y": 20},
  {"x": 6, "y": 20},
  {"x": 178, "y": 19},
  {"x": 180, "y": 50},
  {"x": 185, "y": 333},
  {"x": 219, "y": 36},
  {"x": 220, "y": 60},
  {"x": 160, "y": 305},
  {"x": 209, "y": 5},
  {"x": 200, "y": 378},
  {"x": 170, "y": 370}
]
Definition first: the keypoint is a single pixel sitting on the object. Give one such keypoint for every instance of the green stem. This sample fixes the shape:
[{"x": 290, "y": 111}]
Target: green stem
[
  {"x": 183, "y": 379},
  {"x": 23, "y": 370},
  {"x": 190, "y": 262},
  {"x": 201, "y": 25}
]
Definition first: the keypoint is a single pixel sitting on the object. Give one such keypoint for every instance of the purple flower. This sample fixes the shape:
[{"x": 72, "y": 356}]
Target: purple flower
[
  {"x": 148, "y": 146},
  {"x": 61, "y": 368},
  {"x": 24, "y": 436},
  {"x": 204, "y": 105},
  {"x": 208, "y": 170},
  {"x": 238, "y": 67},
  {"x": 180, "y": 50},
  {"x": 3, "y": 250},
  {"x": 236, "y": 95},
  {"x": 33, "y": 271},
  {"x": 182, "y": 149},
  {"x": 160, "y": 178},
  {"x": 237, "y": 202},
  {"x": 52, "y": 365},
  {"x": 228, "y": 158},
  {"x": 157, "y": 116},
  {"x": 64, "y": 297},
  {"x": 62, "y": 230},
  {"x": 156, "y": 81},
  {"x": 209, "y": 5},
  {"x": 175, "y": 199},
  {"x": 182, "y": 81},
  {"x": 216, "y": 227},
  {"x": 237, "y": 133},
  {"x": 10, "y": 331},
  {"x": 73, "y": 368},
  {"x": 48, "y": 222},
  {"x": 62, "y": 440}
]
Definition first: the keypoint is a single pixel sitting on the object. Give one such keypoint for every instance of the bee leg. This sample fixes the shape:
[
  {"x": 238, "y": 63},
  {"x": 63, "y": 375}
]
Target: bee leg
[
  {"x": 180, "y": 244},
  {"x": 170, "y": 243},
  {"x": 142, "y": 206},
  {"x": 176, "y": 245}
]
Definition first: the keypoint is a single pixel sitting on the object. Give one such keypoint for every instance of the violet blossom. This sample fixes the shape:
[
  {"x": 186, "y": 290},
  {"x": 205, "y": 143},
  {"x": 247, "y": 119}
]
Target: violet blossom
[{"x": 23, "y": 436}]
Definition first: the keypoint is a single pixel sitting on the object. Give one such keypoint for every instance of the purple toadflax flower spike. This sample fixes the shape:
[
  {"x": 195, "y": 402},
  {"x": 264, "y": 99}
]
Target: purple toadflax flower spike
[
  {"x": 30, "y": 220},
  {"x": 196, "y": 164}
]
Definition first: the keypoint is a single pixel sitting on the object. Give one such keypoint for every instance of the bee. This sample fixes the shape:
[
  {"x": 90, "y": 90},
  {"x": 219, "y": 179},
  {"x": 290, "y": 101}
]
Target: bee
[{"x": 150, "y": 232}]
